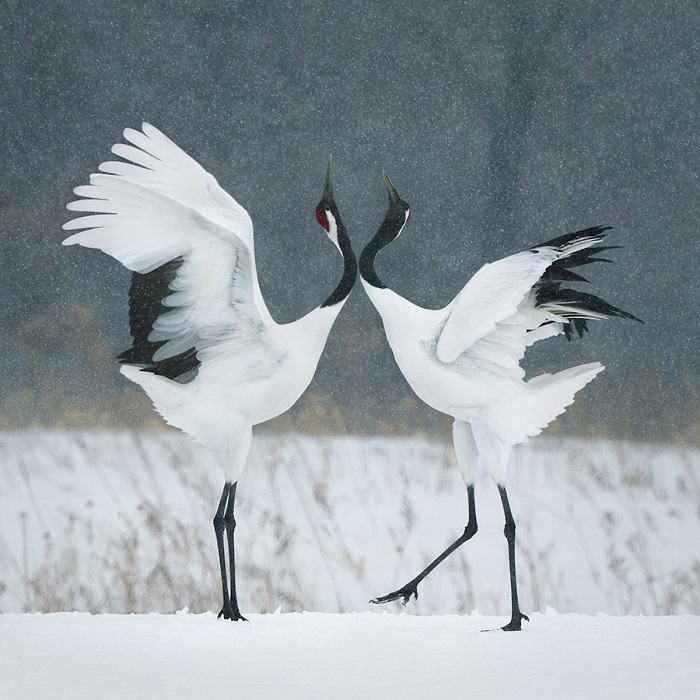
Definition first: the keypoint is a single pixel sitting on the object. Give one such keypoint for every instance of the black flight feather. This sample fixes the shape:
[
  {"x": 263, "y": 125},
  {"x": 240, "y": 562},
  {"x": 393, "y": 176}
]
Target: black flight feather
[
  {"x": 146, "y": 295},
  {"x": 549, "y": 290}
]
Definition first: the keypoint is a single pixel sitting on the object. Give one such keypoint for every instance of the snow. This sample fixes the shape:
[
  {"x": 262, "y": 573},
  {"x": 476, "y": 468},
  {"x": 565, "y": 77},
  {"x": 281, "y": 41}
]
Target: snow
[
  {"x": 355, "y": 655},
  {"x": 121, "y": 522}
]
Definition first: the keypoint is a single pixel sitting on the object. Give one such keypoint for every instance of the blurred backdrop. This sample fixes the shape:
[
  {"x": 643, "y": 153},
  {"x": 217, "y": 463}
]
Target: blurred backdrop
[{"x": 502, "y": 123}]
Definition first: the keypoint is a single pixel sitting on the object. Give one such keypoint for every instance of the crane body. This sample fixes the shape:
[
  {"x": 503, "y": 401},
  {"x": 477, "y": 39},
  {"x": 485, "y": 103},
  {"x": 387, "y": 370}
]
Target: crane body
[{"x": 205, "y": 348}]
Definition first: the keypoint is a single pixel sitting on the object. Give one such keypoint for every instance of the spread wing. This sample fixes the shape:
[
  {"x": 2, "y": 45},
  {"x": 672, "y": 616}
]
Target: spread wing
[
  {"x": 194, "y": 292},
  {"x": 510, "y": 304},
  {"x": 490, "y": 297}
]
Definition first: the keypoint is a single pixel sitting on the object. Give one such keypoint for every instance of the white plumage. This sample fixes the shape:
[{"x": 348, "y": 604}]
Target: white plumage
[
  {"x": 464, "y": 359},
  {"x": 206, "y": 349}
]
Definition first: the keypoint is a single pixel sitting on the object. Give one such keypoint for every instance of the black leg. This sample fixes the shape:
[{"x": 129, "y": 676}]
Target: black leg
[
  {"x": 224, "y": 523},
  {"x": 230, "y": 522},
  {"x": 411, "y": 588},
  {"x": 509, "y": 531},
  {"x": 219, "y": 530}
]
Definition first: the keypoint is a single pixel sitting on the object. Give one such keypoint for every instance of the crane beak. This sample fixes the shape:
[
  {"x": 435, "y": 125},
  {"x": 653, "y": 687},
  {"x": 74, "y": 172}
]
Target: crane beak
[
  {"x": 393, "y": 194},
  {"x": 328, "y": 186}
]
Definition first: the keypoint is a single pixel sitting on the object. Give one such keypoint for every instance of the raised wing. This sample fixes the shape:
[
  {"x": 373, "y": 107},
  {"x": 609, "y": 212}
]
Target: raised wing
[
  {"x": 491, "y": 296},
  {"x": 510, "y": 304},
  {"x": 190, "y": 245}
]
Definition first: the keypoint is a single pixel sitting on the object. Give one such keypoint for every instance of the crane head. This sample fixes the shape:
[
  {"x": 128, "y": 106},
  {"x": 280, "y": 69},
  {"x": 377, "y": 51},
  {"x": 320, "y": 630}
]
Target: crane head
[
  {"x": 398, "y": 213},
  {"x": 327, "y": 213}
]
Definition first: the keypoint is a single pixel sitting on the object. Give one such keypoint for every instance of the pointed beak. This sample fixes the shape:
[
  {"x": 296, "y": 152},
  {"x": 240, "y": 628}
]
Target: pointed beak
[
  {"x": 393, "y": 194},
  {"x": 328, "y": 186}
]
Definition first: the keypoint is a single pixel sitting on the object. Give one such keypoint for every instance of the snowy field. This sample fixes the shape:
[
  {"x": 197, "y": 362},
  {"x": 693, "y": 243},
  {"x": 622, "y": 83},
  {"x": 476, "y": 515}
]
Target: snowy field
[
  {"x": 364, "y": 656},
  {"x": 121, "y": 522}
]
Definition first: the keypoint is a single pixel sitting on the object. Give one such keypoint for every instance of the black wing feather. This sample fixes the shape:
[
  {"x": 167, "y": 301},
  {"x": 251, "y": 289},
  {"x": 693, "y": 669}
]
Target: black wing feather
[
  {"x": 549, "y": 290},
  {"x": 146, "y": 294}
]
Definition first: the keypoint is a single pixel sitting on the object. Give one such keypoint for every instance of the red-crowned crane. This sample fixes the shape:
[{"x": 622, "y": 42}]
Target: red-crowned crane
[
  {"x": 205, "y": 348},
  {"x": 464, "y": 360}
]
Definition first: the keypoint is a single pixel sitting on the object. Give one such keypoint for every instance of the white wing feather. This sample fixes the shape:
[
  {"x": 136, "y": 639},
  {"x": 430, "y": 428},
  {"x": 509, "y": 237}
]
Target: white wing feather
[
  {"x": 490, "y": 297},
  {"x": 164, "y": 205},
  {"x": 501, "y": 350}
]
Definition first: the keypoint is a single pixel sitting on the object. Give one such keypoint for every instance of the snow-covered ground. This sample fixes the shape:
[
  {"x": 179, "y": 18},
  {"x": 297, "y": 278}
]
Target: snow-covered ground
[
  {"x": 368, "y": 656},
  {"x": 120, "y": 522}
]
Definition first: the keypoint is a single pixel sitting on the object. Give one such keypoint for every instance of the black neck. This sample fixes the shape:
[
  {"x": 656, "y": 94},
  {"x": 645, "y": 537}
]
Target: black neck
[
  {"x": 347, "y": 281},
  {"x": 388, "y": 231},
  {"x": 367, "y": 262}
]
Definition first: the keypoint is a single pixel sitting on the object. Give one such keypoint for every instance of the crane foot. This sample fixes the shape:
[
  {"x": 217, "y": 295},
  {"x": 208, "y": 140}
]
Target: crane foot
[
  {"x": 228, "y": 613},
  {"x": 404, "y": 593},
  {"x": 515, "y": 623}
]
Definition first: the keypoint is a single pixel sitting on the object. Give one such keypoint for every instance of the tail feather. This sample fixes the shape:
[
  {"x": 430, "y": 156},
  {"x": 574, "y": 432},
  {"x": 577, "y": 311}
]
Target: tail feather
[
  {"x": 164, "y": 393},
  {"x": 552, "y": 393}
]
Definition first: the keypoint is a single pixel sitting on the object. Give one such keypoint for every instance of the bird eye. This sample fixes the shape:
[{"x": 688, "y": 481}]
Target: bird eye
[{"x": 322, "y": 218}]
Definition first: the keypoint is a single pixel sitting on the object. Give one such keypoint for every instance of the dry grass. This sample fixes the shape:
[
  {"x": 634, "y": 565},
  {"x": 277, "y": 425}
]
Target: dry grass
[{"x": 325, "y": 524}]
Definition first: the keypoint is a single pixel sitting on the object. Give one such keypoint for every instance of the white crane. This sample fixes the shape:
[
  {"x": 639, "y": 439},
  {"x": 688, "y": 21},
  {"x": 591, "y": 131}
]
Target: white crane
[
  {"x": 464, "y": 360},
  {"x": 205, "y": 348}
]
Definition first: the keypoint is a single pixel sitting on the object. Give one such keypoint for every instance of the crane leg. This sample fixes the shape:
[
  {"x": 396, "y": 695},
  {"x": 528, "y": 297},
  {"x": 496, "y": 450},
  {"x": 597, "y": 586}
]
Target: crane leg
[
  {"x": 411, "y": 588},
  {"x": 225, "y": 523},
  {"x": 509, "y": 531},
  {"x": 219, "y": 530}
]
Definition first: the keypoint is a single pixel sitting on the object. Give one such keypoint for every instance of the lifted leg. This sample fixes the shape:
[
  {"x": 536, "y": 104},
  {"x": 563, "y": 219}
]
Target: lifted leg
[
  {"x": 224, "y": 522},
  {"x": 509, "y": 531},
  {"x": 411, "y": 588}
]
